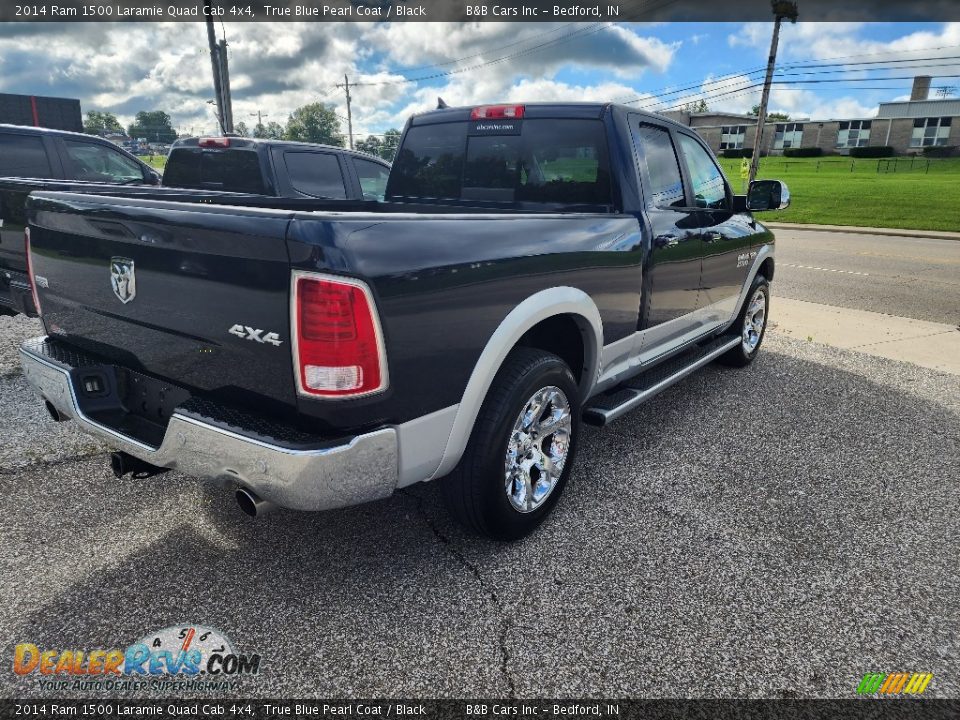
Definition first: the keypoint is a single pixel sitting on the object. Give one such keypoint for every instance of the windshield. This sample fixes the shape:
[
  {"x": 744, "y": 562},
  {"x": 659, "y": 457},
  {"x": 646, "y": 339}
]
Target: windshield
[{"x": 536, "y": 161}]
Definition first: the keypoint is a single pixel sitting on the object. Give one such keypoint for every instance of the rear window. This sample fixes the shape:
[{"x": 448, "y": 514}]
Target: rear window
[
  {"x": 549, "y": 161},
  {"x": 23, "y": 156},
  {"x": 315, "y": 174},
  {"x": 229, "y": 170}
]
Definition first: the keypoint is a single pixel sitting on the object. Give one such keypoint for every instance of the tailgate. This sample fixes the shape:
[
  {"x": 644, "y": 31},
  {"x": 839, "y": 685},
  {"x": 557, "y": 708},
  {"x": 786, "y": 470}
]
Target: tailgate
[{"x": 194, "y": 294}]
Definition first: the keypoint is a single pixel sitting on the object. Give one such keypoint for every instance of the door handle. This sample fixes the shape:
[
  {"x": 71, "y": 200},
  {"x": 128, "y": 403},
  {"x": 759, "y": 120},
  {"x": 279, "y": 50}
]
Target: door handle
[{"x": 712, "y": 236}]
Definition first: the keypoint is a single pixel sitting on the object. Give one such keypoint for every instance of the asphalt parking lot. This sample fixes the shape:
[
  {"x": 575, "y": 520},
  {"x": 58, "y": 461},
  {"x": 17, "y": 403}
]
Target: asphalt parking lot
[{"x": 774, "y": 532}]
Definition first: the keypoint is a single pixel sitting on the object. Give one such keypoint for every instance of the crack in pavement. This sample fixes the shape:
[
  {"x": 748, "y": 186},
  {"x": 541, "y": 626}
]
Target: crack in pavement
[{"x": 475, "y": 571}]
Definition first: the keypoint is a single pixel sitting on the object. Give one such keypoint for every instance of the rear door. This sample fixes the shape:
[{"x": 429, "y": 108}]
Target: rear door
[
  {"x": 672, "y": 276},
  {"x": 310, "y": 173},
  {"x": 726, "y": 235},
  {"x": 22, "y": 155}
]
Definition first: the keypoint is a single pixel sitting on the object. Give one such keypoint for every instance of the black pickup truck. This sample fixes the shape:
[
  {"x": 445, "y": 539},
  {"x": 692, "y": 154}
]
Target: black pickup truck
[
  {"x": 532, "y": 266},
  {"x": 217, "y": 169}
]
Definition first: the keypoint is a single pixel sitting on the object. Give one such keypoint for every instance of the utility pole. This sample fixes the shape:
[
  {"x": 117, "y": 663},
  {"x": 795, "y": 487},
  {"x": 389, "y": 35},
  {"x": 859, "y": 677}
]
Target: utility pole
[
  {"x": 781, "y": 9},
  {"x": 225, "y": 87},
  {"x": 215, "y": 64},
  {"x": 259, "y": 116},
  {"x": 346, "y": 87}
]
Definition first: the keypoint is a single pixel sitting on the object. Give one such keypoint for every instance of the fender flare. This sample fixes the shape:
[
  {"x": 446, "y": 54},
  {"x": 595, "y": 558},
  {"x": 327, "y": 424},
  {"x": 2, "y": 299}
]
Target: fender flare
[{"x": 536, "y": 308}]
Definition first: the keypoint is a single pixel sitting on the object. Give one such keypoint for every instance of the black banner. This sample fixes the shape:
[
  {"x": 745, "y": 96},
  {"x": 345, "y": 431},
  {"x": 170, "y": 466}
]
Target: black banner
[
  {"x": 468, "y": 10},
  {"x": 862, "y": 709}
]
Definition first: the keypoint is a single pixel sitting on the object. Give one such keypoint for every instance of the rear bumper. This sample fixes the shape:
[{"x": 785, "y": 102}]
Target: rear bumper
[{"x": 335, "y": 474}]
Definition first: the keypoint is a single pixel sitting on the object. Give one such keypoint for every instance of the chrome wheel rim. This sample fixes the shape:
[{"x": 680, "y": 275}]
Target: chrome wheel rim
[
  {"x": 753, "y": 321},
  {"x": 537, "y": 449}
]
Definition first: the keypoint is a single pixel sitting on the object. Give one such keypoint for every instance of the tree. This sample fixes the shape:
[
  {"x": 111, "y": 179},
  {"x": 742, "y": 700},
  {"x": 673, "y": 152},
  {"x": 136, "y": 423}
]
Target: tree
[
  {"x": 98, "y": 122},
  {"x": 777, "y": 116},
  {"x": 241, "y": 129},
  {"x": 272, "y": 130},
  {"x": 696, "y": 106},
  {"x": 154, "y": 125},
  {"x": 384, "y": 146},
  {"x": 315, "y": 123}
]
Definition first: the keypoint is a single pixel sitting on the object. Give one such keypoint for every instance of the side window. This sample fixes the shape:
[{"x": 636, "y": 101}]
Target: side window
[
  {"x": 315, "y": 174},
  {"x": 23, "y": 156},
  {"x": 666, "y": 185},
  {"x": 709, "y": 188},
  {"x": 98, "y": 163},
  {"x": 373, "y": 178}
]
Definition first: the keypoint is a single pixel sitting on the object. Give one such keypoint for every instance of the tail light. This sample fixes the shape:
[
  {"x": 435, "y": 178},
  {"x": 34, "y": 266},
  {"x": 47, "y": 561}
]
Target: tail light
[
  {"x": 338, "y": 346},
  {"x": 30, "y": 275},
  {"x": 218, "y": 142},
  {"x": 496, "y": 112}
]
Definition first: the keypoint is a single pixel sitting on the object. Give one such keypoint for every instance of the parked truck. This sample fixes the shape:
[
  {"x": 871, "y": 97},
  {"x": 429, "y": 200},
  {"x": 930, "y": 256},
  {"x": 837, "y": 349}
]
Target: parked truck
[
  {"x": 533, "y": 266},
  {"x": 220, "y": 169}
]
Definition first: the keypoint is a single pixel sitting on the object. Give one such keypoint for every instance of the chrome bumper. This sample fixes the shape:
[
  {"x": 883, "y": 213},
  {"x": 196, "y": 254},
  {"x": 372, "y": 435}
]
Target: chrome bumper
[{"x": 364, "y": 469}]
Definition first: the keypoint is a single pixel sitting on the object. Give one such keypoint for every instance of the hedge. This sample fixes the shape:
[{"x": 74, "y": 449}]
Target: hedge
[
  {"x": 874, "y": 151},
  {"x": 939, "y": 151},
  {"x": 738, "y": 153},
  {"x": 803, "y": 152}
]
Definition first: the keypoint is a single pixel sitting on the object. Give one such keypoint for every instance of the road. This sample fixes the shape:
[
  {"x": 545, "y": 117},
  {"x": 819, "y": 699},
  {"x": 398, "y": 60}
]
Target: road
[
  {"x": 771, "y": 532},
  {"x": 915, "y": 278}
]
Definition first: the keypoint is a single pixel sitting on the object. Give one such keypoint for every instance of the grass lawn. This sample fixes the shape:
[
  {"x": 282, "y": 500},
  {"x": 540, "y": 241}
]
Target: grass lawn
[
  {"x": 845, "y": 191},
  {"x": 155, "y": 161}
]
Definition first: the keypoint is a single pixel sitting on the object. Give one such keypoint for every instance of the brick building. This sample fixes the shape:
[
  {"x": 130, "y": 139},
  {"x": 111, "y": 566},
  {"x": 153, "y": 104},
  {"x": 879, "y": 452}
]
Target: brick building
[{"x": 907, "y": 127}]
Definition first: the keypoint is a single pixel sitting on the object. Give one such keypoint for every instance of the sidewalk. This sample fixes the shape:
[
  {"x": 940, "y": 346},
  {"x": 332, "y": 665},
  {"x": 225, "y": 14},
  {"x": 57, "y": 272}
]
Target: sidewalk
[
  {"x": 928, "y": 344},
  {"x": 935, "y": 234}
]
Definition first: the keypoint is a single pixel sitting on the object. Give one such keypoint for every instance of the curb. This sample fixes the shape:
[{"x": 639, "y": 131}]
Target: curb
[{"x": 894, "y": 232}]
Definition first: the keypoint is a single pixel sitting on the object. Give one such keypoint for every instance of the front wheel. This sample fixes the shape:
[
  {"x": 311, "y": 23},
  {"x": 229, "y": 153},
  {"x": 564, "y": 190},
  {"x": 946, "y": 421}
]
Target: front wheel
[
  {"x": 752, "y": 324},
  {"x": 521, "y": 450}
]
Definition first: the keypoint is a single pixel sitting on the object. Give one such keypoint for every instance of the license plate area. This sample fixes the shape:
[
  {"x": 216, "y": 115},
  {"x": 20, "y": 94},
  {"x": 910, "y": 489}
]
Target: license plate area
[{"x": 128, "y": 402}]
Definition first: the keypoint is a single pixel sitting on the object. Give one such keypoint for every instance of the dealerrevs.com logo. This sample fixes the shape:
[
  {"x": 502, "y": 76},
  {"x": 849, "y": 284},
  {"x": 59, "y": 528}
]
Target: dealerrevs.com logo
[{"x": 170, "y": 659}]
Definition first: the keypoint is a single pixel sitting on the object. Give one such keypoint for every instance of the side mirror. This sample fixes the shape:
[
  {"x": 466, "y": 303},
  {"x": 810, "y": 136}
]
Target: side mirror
[
  {"x": 154, "y": 178},
  {"x": 768, "y": 195}
]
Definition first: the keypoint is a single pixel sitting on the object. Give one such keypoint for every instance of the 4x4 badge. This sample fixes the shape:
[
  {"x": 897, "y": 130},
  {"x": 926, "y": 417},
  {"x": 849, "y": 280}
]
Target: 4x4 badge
[{"x": 123, "y": 279}]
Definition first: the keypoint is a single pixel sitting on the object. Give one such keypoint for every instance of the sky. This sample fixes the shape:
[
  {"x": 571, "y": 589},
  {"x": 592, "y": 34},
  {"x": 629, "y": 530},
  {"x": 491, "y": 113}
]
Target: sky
[{"x": 275, "y": 68}]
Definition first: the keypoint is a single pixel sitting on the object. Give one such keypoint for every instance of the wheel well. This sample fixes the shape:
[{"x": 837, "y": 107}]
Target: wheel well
[
  {"x": 561, "y": 335},
  {"x": 766, "y": 269}
]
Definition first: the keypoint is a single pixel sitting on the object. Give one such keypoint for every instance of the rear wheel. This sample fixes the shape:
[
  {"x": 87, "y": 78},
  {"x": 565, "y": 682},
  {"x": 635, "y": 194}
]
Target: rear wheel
[
  {"x": 521, "y": 450},
  {"x": 752, "y": 324}
]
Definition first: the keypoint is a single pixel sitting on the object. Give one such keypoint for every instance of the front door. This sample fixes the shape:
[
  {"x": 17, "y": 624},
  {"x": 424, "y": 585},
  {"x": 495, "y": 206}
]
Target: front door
[
  {"x": 672, "y": 279},
  {"x": 726, "y": 235}
]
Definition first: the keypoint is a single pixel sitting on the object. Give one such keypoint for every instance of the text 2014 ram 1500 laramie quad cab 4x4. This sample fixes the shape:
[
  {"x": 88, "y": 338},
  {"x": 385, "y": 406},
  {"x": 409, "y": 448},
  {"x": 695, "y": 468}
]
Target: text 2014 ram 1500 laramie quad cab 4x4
[{"x": 531, "y": 266}]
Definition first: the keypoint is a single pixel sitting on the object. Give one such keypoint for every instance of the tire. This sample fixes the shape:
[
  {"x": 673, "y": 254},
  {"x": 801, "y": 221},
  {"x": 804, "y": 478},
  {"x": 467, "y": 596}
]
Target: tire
[
  {"x": 751, "y": 337},
  {"x": 477, "y": 493}
]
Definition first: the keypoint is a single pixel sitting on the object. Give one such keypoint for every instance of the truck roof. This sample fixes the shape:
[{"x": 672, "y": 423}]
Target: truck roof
[
  {"x": 49, "y": 131},
  {"x": 532, "y": 110},
  {"x": 239, "y": 141}
]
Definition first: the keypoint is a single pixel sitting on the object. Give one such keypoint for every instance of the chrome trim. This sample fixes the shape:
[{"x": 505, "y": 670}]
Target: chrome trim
[
  {"x": 641, "y": 396},
  {"x": 363, "y": 469},
  {"x": 378, "y": 331}
]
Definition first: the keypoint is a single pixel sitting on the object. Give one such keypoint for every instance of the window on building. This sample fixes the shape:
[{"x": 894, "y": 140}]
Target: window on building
[
  {"x": 788, "y": 135},
  {"x": 854, "y": 133},
  {"x": 930, "y": 131},
  {"x": 731, "y": 138}
]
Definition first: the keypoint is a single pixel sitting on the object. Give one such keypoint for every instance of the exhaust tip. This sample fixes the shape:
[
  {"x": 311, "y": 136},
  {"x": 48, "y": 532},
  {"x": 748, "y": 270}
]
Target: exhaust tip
[
  {"x": 252, "y": 504},
  {"x": 246, "y": 501},
  {"x": 54, "y": 413}
]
